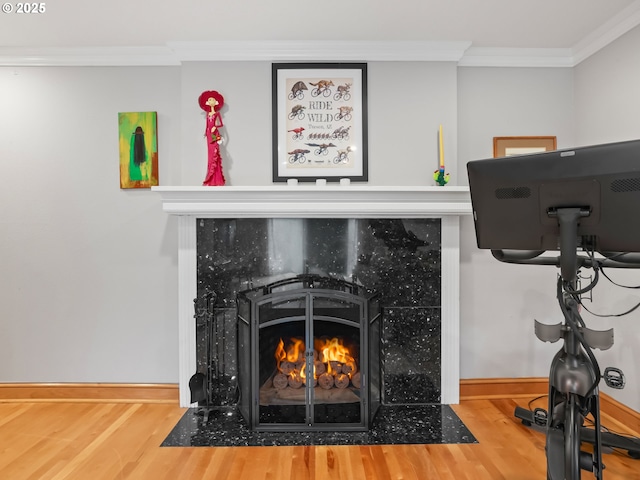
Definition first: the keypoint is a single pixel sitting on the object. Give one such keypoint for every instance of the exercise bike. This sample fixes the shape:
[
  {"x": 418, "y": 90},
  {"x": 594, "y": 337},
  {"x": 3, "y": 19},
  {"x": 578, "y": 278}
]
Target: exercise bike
[
  {"x": 574, "y": 374},
  {"x": 582, "y": 202}
]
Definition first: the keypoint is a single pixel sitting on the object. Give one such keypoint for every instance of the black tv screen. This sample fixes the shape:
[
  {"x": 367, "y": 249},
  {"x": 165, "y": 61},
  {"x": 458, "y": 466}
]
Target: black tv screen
[{"x": 512, "y": 197}]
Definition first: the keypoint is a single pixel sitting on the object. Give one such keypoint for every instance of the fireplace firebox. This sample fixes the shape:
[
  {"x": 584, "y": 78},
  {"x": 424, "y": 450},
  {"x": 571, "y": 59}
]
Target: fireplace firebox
[{"x": 309, "y": 355}]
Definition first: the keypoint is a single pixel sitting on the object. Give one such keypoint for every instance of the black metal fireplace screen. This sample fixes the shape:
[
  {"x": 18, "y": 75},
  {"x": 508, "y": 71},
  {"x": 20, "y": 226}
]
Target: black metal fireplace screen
[{"x": 309, "y": 355}]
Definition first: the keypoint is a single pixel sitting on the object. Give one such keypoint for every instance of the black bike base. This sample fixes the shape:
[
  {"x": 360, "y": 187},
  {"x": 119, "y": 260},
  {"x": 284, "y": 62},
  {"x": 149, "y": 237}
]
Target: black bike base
[{"x": 588, "y": 435}]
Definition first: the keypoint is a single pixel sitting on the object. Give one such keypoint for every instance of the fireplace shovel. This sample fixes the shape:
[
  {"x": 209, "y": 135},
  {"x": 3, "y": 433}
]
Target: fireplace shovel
[{"x": 198, "y": 388}]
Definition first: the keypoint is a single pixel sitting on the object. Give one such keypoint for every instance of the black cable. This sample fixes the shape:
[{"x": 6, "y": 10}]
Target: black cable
[
  {"x": 597, "y": 268},
  {"x": 591, "y": 286},
  {"x": 535, "y": 399},
  {"x": 635, "y": 307},
  {"x": 595, "y": 265},
  {"x": 633, "y": 287},
  {"x": 574, "y": 324}
]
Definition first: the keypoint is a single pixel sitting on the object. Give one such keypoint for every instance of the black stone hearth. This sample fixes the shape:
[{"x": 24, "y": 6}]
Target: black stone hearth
[{"x": 394, "y": 425}]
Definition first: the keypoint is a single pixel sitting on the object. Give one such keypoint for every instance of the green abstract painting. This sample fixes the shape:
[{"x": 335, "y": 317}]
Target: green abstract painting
[{"x": 138, "y": 138}]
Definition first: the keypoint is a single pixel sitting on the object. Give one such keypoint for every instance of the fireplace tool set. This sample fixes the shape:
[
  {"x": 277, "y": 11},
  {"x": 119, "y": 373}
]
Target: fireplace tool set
[{"x": 206, "y": 386}]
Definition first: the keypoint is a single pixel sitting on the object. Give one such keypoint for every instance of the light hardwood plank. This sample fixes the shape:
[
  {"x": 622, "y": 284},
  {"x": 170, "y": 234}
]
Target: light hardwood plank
[{"x": 112, "y": 441}]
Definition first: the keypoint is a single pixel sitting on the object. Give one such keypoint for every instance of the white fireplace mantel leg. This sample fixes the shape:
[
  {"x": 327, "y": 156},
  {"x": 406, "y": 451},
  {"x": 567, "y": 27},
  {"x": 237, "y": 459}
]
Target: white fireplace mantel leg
[
  {"x": 187, "y": 291},
  {"x": 450, "y": 310}
]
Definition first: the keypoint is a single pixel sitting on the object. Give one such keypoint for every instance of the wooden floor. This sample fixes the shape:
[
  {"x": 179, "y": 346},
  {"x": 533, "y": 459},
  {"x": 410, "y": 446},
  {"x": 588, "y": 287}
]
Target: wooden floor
[{"x": 90, "y": 441}]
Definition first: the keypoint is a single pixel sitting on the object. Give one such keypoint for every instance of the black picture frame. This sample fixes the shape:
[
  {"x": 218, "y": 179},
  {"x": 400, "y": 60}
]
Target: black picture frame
[{"x": 319, "y": 121}]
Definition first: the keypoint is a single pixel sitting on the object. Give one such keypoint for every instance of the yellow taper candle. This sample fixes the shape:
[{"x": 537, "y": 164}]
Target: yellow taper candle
[{"x": 441, "y": 148}]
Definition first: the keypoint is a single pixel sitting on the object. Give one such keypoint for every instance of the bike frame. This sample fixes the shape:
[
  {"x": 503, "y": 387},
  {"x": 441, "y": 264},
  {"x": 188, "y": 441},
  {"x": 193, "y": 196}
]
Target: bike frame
[
  {"x": 573, "y": 394},
  {"x": 574, "y": 374}
]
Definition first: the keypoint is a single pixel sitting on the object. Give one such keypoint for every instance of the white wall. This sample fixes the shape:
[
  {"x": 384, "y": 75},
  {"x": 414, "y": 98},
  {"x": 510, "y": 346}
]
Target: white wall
[
  {"x": 608, "y": 110},
  {"x": 595, "y": 102},
  {"x": 406, "y": 101},
  {"x": 88, "y": 289},
  {"x": 495, "y": 102},
  {"x": 246, "y": 153},
  {"x": 88, "y": 285},
  {"x": 88, "y": 271},
  {"x": 607, "y": 94},
  {"x": 498, "y": 301}
]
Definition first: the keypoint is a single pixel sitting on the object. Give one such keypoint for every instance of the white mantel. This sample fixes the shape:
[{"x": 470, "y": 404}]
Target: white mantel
[{"x": 311, "y": 201}]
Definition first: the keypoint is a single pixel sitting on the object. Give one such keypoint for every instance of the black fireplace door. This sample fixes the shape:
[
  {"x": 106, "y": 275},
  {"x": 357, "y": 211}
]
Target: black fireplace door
[{"x": 309, "y": 361}]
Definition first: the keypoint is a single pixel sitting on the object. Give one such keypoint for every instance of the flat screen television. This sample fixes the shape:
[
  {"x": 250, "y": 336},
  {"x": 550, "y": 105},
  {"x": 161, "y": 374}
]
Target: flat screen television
[{"x": 513, "y": 198}]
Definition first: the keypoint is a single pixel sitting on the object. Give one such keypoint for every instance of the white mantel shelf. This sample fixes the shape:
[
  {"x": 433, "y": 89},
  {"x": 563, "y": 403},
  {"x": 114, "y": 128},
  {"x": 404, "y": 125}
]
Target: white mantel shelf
[{"x": 313, "y": 201}]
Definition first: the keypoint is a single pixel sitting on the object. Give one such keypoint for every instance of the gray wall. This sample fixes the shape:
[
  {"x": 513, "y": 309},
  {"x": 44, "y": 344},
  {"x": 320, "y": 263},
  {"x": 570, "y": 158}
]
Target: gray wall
[
  {"x": 88, "y": 271},
  {"x": 607, "y": 100},
  {"x": 500, "y": 301},
  {"x": 406, "y": 102},
  {"x": 88, "y": 289}
]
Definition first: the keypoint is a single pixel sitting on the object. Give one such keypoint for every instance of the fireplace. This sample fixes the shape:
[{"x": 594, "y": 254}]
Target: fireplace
[
  {"x": 410, "y": 325},
  {"x": 309, "y": 355},
  {"x": 287, "y": 288}
]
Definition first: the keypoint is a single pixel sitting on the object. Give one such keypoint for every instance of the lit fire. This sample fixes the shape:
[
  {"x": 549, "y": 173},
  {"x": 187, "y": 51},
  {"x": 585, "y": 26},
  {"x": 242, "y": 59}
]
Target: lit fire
[
  {"x": 280, "y": 354},
  {"x": 332, "y": 351},
  {"x": 294, "y": 353},
  {"x": 337, "y": 359}
]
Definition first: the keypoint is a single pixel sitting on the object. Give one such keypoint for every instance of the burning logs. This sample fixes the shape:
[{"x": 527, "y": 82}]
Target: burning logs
[
  {"x": 287, "y": 367},
  {"x": 326, "y": 381},
  {"x": 348, "y": 368},
  {"x": 280, "y": 381},
  {"x": 341, "y": 380},
  {"x": 333, "y": 365},
  {"x": 355, "y": 379},
  {"x": 295, "y": 381}
]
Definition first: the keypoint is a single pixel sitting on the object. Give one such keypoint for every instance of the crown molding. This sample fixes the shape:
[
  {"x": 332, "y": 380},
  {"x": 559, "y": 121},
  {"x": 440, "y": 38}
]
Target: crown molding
[
  {"x": 87, "y": 56},
  {"x": 517, "y": 57},
  {"x": 626, "y": 20},
  {"x": 174, "y": 53},
  {"x": 462, "y": 52},
  {"x": 319, "y": 51}
]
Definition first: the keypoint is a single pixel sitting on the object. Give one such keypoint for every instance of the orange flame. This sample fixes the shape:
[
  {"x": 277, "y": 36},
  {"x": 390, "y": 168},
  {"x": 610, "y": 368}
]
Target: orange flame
[
  {"x": 293, "y": 352},
  {"x": 328, "y": 350},
  {"x": 334, "y": 351},
  {"x": 280, "y": 354}
]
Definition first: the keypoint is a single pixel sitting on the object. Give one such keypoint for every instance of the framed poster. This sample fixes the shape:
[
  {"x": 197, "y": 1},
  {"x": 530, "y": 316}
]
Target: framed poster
[
  {"x": 508, "y": 146},
  {"x": 319, "y": 121}
]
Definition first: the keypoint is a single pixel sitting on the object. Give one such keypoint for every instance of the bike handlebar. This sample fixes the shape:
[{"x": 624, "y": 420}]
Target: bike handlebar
[{"x": 533, "y": 257}]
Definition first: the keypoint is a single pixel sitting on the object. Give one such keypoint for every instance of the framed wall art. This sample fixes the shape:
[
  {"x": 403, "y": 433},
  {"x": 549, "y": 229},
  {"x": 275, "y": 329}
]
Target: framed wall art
[
  {"x": 319, "y": 121},
  {"x": 138, "y": 145},
  {"x": 508, "y": 146}
]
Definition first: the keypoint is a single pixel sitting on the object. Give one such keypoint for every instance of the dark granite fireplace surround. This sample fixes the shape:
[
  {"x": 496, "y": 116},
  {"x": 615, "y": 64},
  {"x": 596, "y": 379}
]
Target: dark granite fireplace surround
[{"x": 399, "y": 259}]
